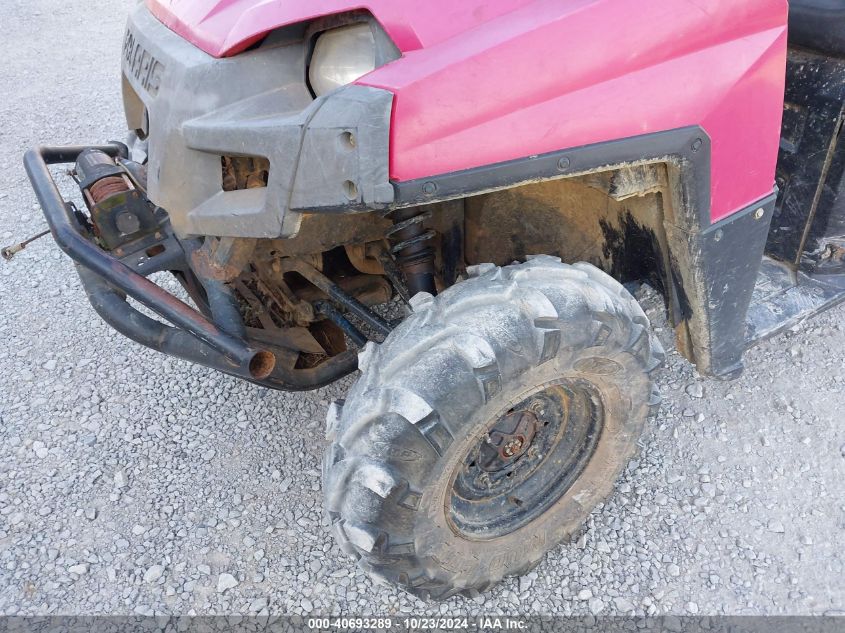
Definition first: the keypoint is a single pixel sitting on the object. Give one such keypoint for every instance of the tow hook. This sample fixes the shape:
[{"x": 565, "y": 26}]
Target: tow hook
[{"x": 8, "y": 252}]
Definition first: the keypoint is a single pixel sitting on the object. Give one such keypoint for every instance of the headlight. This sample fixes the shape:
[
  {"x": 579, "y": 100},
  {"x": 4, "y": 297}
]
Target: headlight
[{"x": 341, "y": 56}]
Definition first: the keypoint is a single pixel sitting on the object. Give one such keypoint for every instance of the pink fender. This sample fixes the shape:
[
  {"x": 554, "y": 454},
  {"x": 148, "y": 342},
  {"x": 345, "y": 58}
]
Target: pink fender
[
  {"x": 226, "y": 27},
  {"x": 486, "y": 82}
]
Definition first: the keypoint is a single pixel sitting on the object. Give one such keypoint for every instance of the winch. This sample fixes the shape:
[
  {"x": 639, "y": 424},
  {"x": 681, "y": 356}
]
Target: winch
[{"x": 113, "y": 193}]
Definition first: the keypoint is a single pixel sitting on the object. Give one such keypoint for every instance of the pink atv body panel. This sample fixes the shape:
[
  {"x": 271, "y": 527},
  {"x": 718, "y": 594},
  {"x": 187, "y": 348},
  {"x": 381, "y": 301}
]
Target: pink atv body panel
[
  {"x": 486, "y": 82},
  {"x": 225, "y": 27}
]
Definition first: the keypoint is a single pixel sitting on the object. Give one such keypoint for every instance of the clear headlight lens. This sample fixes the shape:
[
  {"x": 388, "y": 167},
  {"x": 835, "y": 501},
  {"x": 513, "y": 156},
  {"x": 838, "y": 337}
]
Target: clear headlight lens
[{"x": 341, "y": 56}]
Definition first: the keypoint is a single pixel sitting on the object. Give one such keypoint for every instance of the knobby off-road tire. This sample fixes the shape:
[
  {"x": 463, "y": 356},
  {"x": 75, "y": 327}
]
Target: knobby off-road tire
[{"x": 404, "y": 444}]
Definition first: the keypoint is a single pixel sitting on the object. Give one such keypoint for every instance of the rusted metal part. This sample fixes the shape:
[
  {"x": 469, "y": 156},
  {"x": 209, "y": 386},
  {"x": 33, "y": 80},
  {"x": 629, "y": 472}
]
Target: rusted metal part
[
  {"x": 9, "y": 252},
  {"x": 109, "y": 282},
  {"x": 334, "y": 315},
  {"x": 299, "y": 311},
  {"x": 258, "y": 310},
  {"x": 262, "y": 364},
  {"x": 392, "y": 272},
  {"x": 370, "y": 290},
  {"x": 70, "y": 236},
  {"x": 511, "y": 438},
  {"x": 366, "y": 257},
  {"x": 120, "y": 212},
  {"x": 294, "y": 338},
  {"x": 113, "y": 308},
  {"x": 122, "y": 216},
  {"x": 332, "y": 340},
  {"x": 297, "y": 339},
  {"x": 335, "y": 293},
  {"x": 220, "y": 297},
  {"x": 322, "y": 232},
  {"x": 107, "y": 187},
  {"x": 223, "y": 259},
  {"x": 244, "y": 172}
]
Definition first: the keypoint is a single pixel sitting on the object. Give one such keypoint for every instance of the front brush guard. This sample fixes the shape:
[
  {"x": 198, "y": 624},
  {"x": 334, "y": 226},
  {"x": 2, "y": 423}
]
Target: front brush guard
[{"x": 108, "y": 282}]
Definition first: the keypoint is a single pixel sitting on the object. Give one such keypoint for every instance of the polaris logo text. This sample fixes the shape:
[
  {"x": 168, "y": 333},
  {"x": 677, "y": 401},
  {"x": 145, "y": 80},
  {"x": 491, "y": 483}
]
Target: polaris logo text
[{"x": 138, "y": 63}]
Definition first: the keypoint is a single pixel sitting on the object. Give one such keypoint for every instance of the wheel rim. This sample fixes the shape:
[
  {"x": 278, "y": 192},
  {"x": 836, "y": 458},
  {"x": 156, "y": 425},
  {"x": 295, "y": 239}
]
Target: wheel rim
[{"x": 528, "y": 457}]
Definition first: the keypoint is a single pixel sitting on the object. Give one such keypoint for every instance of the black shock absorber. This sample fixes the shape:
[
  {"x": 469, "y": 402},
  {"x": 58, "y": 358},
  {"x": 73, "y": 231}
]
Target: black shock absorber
[{"x": 411, "y": 245}]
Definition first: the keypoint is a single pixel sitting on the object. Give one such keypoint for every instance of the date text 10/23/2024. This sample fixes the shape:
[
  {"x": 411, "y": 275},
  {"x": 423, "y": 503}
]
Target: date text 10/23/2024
[{"x": 485, "y": 623}]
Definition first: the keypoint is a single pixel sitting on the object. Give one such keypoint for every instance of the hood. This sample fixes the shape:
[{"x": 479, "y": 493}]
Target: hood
[{"x": 226, "y": 27}]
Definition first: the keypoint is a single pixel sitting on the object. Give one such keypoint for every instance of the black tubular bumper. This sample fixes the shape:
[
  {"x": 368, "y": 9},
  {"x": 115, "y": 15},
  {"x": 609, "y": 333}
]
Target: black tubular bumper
[{"x": 108, "y": 282}]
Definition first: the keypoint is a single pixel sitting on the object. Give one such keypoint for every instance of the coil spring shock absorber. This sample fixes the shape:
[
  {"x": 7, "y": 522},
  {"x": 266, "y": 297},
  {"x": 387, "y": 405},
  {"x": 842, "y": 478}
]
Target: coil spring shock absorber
[{"x": 411, "y": 245}]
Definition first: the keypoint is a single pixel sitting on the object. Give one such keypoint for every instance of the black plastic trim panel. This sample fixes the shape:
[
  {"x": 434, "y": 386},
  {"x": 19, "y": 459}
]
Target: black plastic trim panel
[
  {"x": 719, "y": 269},
  {"x": 688, "y": 148}
]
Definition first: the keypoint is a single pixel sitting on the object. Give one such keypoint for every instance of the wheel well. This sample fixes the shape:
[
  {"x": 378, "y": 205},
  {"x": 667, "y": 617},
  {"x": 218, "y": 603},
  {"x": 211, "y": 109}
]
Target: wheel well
[
  {"x": 637, "y": 221},
  {"x": 611, "y": 219}
]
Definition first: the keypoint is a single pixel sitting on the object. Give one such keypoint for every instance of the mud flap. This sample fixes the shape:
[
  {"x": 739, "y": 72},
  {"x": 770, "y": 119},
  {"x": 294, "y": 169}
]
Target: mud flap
[{"x": 714, "y": 272}]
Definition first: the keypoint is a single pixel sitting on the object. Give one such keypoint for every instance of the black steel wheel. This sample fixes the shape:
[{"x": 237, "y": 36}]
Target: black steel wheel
[
  {"x": 527, "y": 460},
  {"x": 487, "y": 426}
]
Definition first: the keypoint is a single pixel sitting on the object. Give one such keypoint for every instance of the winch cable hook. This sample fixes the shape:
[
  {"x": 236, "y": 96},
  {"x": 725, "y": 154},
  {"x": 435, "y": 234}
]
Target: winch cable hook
[{"x": 8, "y": 252}]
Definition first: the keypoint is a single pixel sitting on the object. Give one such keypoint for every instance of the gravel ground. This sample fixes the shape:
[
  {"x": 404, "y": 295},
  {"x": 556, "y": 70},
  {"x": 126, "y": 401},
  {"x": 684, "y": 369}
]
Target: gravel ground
[{"x": 134, "y": 483}]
